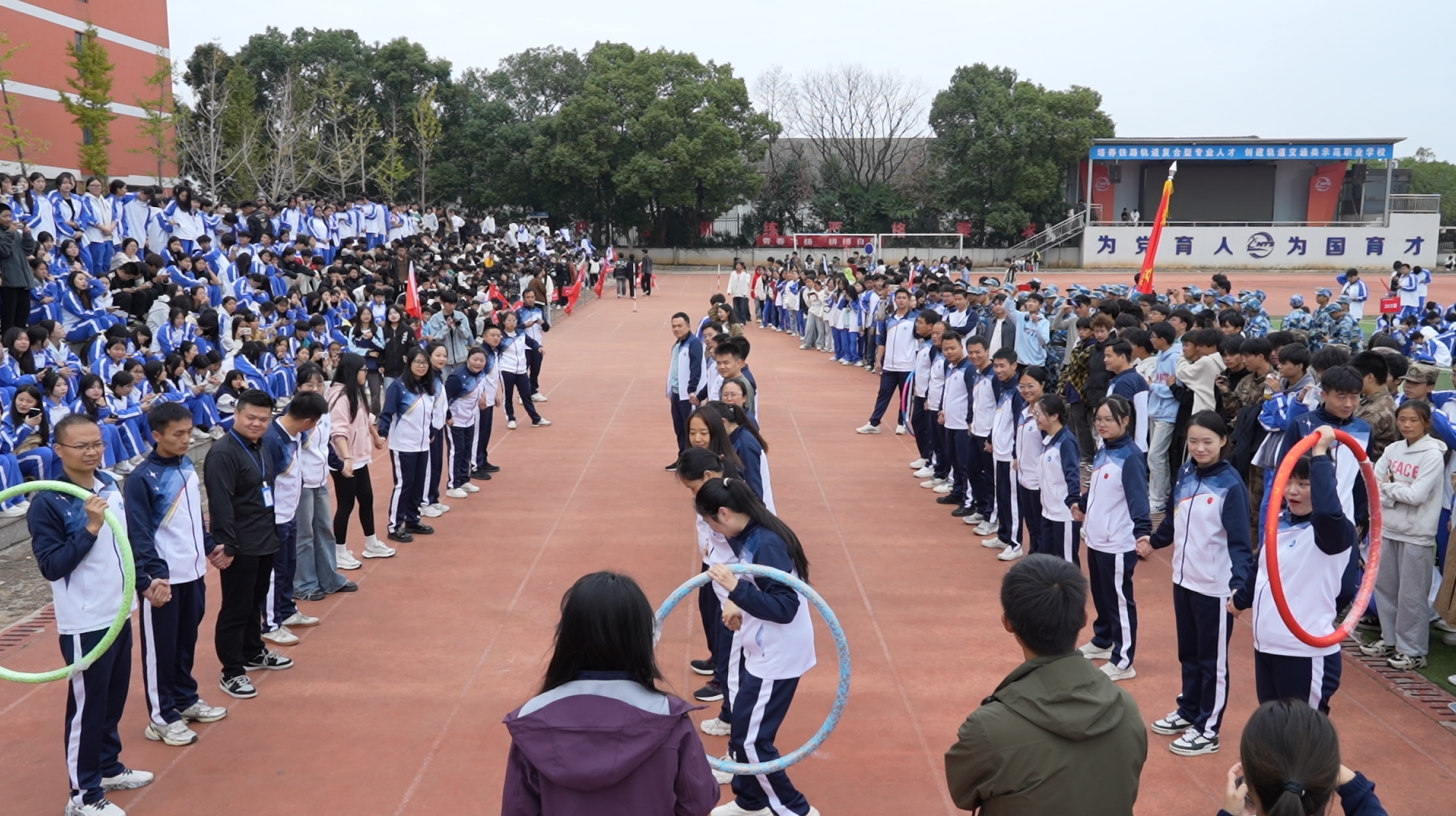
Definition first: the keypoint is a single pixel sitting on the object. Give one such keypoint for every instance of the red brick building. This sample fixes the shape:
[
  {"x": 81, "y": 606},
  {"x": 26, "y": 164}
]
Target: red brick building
[{"x": 133, "y": 32}]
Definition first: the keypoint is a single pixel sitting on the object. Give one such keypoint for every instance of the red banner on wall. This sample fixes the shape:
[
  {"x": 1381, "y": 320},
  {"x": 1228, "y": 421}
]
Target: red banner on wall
[
  {"x": 1104, "y": 193},
  {"x": 816, "y": 241},
  {"x": 1324, "y": 193}
]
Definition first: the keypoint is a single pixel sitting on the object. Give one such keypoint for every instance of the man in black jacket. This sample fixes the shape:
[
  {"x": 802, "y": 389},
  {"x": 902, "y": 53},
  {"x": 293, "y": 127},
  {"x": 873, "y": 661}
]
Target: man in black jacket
[
  {"x": 239, "y": 486},
  {"x": 16, "y": 279}
]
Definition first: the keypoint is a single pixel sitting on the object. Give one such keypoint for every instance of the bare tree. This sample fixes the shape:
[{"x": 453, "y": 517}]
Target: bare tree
[
  {"x": 345, "y": 128},
  {"x": 287, "y": 161},
  {"x": 201, "y": 143},
  {"x": 426, "y": 136},
  {"x": 871, "y": 124}
]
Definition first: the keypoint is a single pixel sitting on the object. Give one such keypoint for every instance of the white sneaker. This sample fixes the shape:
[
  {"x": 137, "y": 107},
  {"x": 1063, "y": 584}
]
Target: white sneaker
[
  {"x": 456, "y": 493},
  {"x": 932, "y": 483},
  {"x": 715, "y": 727},
  {"x": 1115, "y": 674},
  {"x": 901, "y": 430},
  {"x": 126, "y": 780},
  {"x": 732, "y": 809},
  {"x": 1092, "y": 651},
  {"x": 281, "y": 637},
  {"x": 539, "y": 397},
  {"x": 443, "y": 508},
  {"x": 216, "y": 432},
  {"x": 924, "y": 472},
  {"x": 201, "y": 712},
  {"x": 987, "y": 528},
  {"x": 723, "y": 777},
  {"x": 1010, "y": 553},
  {"x": 543, "y": 422},
  {"x": 300, "y": 619},
  {"x": 374, "y": 548},
  {"x": 199, "y": 434},
  {"x": 101, "y": 807},
  {"x": 470, "y": 487},
  {"x": 344, "y": 559},
  {"x": 844, "y": 362},
  {"x": 993, "y": 543},
  {"x": 14, "y": 512},
  {"x": 918, "y": 464},
  {"x": 1443, "y": 625},
  {"x": 975, "y": 518},
  {"x": 511, "y": 424},
  {"x": 429, "y": 511},
  {"x": 123, "y": 468},
  {"x": 867, "y": 428},
  {"x": 175, "y": 734},
  {"x": 943, "y": 488}
]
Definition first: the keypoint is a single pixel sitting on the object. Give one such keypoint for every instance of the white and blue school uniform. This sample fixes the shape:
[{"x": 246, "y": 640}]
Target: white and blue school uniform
[
  {"x": 12, "y": 379},
  {"x": 684, "y": 379},
  {"x": 950, "y": 393},
  {"x": 1213, "y": 560},
  {"x": 515, "y": 374},
  {"x": 96, "y": 213},
  {"x": 463, "y": 391},
  {"x": 985, "y": 395},
  {"x": 52, "y": 289},
  {"x": 1009, "y": 407},
  {"x": 187, "y": 225},
  {"x": 435, "y": 464},
  {"x": 41, "y": 217},
  {"x": 65, "y": 209},
  {"x": 131, "y": 423},
  {"x": 1349, "y": 481},
  {"x": 82, "y": 323},
  {"x": 86, "y": 580},
  {"x": 407, "y": 421},
  {"x": 1028, "y": 452},
  {"x": 755, "y": 465},
  {"x": 922, "y": 421},
  {"x": 35, "y": 463},
  {"x": 171, "y": 337},
  {"x": 285, "y": 452},
  {"x": 1313, "y": 555},
  {"x": 770, "y": 652},
  {"x": 715, "y": 549},
  {"x": 1117, "y": 515},
  {"x": 1131, "y": 386},
  {"x": 164, "y": 522},
  {"x": 1061, "y": 490},
  {"x": 200, "y": 403},
  {"x": 490, "y": 390}
]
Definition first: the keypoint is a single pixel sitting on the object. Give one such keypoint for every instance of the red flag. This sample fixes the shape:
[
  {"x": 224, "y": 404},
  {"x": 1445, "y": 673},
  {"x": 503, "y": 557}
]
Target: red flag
[
  {"x": 494, "y": 294},
  {"x": 412, "y": 296},
  {"x": 1145, "y": 277},
  {"x": 572, "y": 293},
  {"x": 607, "y": 270}
]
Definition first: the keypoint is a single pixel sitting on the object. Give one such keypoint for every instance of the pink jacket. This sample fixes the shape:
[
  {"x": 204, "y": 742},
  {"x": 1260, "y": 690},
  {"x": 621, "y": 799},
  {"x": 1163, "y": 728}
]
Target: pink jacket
[{"x": 356, "y": 430}]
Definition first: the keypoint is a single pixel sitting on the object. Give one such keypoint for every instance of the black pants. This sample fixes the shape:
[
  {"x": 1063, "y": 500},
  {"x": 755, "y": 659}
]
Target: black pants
[
  {"x": 890, "y": 381},
  {"x": 279, "y": 606},
  {"x": 1006, "y": 510},
  {"x": 1204, "y": 627},
  {"x": 482, "y": 440},
  {"x": 983, "y": 481},
  {"x": 169, "y": 648},
  {"x": 533, "y": 364},
  {"x": 374, "y": 383},
  {"x": 1115, "y": 627},
  {"x": 239, "y": 635},
  {"x": 434, "y": 467},
  {"x": 349, "y": 490},
  {"x": 740, "y": 309},
  {"x": 95, "y": 700},
  {"x": 944, "y": 448},
  {"x": 511, "y": 382},
  {"x": 1028, "y": 512},
  {"x": 462, "y": 451},
  {"x": 409, "y": 487},
  {"x": 1062, "y": 539},
  {"x": 1082, "y": 429},
  {"x": 1310, "y": 680},
  {"x": 958, "y": 449},
  {"x": 681, "y": 409},
  {"x": 14, "y": 307},
  {"x": 922, "y": 424}
]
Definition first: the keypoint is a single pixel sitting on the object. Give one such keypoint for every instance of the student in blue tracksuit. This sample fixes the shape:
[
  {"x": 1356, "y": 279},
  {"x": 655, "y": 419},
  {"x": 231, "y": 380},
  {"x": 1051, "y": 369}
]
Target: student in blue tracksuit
[
  {"x": 1117, "y": 527},
  {"x": 1315, "y": 540},
  {"x": 283, "y": 444},
  {"x": 1213, "y": 560},
  {"x": 985, "y": 393},
  {"x": 1026, "y": 464},
  {"x": 695, "y": 467},
  {"x": 465, "y": 393},
  {"x": 76, "y": 551},
  {"x": 922, "y": 422},
  {"x": 164, "y": 523},
  {"x": 684, "y": 377},
  {"x": 1061, "y": 480},
  {"x": 950, "y": 398},
  {"x": 431, "y": 506},
  {"x": 406, "y": 422},
  {"x": 1003, "y": 451},
  {"x": 751, "y": 447},
  {"x": 773, "y": 642}
]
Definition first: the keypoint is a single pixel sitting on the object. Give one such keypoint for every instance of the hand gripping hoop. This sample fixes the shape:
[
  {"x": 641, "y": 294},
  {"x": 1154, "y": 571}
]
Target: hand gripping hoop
[
  {"x": 841, "y": 696},
  {"x": 128, "y": 585},
  {"x": 1271, "y": 541}
]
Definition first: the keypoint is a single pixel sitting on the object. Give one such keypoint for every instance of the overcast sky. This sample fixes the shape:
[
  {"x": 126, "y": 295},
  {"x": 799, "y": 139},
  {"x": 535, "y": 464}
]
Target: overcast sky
[{"x": 1271, "y": 68}]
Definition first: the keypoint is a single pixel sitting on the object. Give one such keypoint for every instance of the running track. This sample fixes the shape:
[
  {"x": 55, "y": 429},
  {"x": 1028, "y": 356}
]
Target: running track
[{"x": 395, "y": 703}]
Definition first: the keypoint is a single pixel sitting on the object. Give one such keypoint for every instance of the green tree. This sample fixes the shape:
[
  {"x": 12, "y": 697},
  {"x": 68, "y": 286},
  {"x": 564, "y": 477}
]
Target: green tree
[
  {"x": 242, "y": 137},
  {"x": 15, "y": 138},
  {"x": 1004, "y": 146},
  {"x": 159, "y": 124},
  {"x": 426, "y": 136},
  {"x": 391, "y": 172},
  {"x": 90, "y": 107},
  {"x": 1431, "y": 176}
]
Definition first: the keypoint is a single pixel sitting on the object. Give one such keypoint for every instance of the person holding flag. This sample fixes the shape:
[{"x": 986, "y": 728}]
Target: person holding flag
[{"x": 1145, "y": 277}]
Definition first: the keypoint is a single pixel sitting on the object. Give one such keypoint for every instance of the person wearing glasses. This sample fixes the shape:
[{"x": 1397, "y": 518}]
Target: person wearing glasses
[
  {"x": 77, "y": 552},
  {"x": 1026, "y": 464}
]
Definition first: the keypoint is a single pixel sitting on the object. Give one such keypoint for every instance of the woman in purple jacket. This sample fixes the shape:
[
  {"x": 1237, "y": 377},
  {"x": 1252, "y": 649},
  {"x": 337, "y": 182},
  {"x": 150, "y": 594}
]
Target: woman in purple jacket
[{"x": 601, "y": 739}]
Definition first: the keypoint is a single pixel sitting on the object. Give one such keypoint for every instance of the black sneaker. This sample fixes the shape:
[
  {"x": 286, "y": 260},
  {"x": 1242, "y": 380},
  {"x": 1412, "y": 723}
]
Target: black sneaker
[
  {"x": 672, "y": 467},
  {"x": 316, "y": 595},
  {"x": 402, "y": 536},
  {"x": 709, "y": 693},
  {"x": 419, "y": 529},
  {"x": 489, "y": 468},
  {"x": 240, "y": 687},
  {"x": 962, "y": 511},
  {"x": 949, "y": 498},
  {"x": 480, "y": 475},
  {"x": 269, "y": 661},
  {"x": 348, "y": 586},
  {"x": 703, "y": 667}
]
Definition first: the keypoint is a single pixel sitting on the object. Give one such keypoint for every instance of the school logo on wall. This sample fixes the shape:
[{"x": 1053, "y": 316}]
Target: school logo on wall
[
  {"x": 1323, "y": 184},
  {"x": 1261, "y": 245},
  {"x": 1103, "y": 184}
]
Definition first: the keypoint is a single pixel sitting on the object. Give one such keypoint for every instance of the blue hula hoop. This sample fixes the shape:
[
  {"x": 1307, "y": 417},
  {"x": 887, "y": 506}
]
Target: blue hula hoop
[{"x": 841, "y": 695}]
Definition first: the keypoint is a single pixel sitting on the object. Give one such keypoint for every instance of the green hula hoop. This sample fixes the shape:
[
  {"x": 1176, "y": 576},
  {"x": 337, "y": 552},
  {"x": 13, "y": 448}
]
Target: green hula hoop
[{"x": 128, "y": 585}]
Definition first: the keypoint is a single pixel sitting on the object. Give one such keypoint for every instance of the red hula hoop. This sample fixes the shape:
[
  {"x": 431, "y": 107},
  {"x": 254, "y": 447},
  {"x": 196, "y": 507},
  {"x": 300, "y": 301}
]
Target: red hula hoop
[{"x": 1271, "y": 539}]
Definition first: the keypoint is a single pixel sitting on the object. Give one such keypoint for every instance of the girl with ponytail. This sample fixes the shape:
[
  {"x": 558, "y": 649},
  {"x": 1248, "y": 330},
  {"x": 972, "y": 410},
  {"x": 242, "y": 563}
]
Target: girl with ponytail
[
  {"x": 1290, "y": 766},
  {"x": 773, "y": 641},
  {"x": 751, "y": 448}
]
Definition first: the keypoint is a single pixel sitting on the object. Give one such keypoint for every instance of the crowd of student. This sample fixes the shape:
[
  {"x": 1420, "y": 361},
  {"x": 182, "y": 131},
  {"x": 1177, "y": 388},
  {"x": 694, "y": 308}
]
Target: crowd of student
[{"x": 301, "y": 340}]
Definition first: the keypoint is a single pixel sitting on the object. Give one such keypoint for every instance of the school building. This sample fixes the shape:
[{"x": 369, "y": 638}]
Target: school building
[
  {"x": 134, "y": 33},
  {"x": 1251, "y": 203}
]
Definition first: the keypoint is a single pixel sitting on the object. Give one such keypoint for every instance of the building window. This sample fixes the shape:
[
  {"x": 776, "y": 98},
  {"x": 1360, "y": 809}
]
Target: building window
[
  {"x": 86, "y": 136},
  {"x": 80, "y": 39}
]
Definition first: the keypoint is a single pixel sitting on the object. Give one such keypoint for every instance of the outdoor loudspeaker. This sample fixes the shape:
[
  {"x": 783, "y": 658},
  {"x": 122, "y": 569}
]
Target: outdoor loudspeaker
[
  {"x": 1114, "y": 174},
  {"x": 1357, "y": 173}
]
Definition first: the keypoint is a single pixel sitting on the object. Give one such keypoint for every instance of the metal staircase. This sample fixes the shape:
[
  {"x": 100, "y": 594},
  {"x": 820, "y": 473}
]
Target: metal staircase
[{"x": 1054, "y": 235}]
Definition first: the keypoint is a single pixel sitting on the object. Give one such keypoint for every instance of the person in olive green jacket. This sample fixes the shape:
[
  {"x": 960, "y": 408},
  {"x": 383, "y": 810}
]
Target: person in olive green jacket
[{"x": 1057, "y": 736}]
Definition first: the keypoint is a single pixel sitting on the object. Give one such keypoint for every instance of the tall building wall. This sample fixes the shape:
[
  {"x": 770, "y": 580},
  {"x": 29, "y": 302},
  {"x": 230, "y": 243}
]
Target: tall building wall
[{"x": 133, "y": 32}]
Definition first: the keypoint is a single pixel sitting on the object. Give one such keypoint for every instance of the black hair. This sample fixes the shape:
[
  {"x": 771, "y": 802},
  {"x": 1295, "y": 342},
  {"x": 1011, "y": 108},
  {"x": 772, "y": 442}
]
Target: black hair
[
  {"x": 1141, "y": 339},
  {"x": 606, "y": 625},
  {"x": 1329, "y": 357},
  {"x": 1121, "y": 348},
  {"x": 308, "y": 371},
  {"x": 1203, "y": 338},
  {"x": 1291, "y": 758},
  {"x": 1229, "y": 317},
  {"x": 718, "y": 441},
  {"x": 930, "y": 316},
  {"x": 413, "y": 383},
  {"x": 1119, "y": 407},
  {"x": 68, "y": 420},
  {"x": 1231, "y": 344},
  {"x": 153, "y": 371},
  {"x": 1397, "y": 364},
  {"x": 731, "y": 347},
  {"x": 1370, "y": 363},
  {"x": 1054, "y": 406},
  {"x": 951, "y": 336},
  {"x": 84, "y": 402},
  {"x": 1037, "y": 373},
  {"x": 1280, "y": 339},
  {"x": 45, "y": 421},
  {"x": 1184, "y": 314},
  {"x": 1210, "y": 420},
  {"x": 166, "y": 413},
  {"x": 308, "y": 405},
  {"x": 1044, "y": 599},
  {"x": 26, "y": 359},
  {"x": 256, "y": 398},
  {"x": 1005, "y": 353},
  {"x": 1342, "y": 379},
  {"x": 122, "y": 379},
  {"x": 1257, "y": 347},
  {"x": 695, "y": 463},
  {"x": 737, "y": 496},
  {"x": 684, "y": 316},
  {"x": 1422, "y": 409},
  {"x": 737, "y": 415}
]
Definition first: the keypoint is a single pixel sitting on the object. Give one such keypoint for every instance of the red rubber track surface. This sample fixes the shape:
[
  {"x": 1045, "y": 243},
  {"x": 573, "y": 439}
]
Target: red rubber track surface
[{"x": 395, "y": 703}]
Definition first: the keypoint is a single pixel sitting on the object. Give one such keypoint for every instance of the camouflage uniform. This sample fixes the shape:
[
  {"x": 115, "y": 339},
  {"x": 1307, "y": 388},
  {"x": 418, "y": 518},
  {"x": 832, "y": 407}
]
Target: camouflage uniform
[
  {"x": 1298, "y": 320},
  {"x": 1379, "y": 411},
  {"x": 1320, "y": 325},
  {"x": 1256, "y": 325},
  {"x": 1346, "y": 330}
]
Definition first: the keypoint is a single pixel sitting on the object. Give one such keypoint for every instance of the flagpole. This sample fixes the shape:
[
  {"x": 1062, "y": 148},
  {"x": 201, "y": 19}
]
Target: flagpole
[{"x": 1145, "y": 277}]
